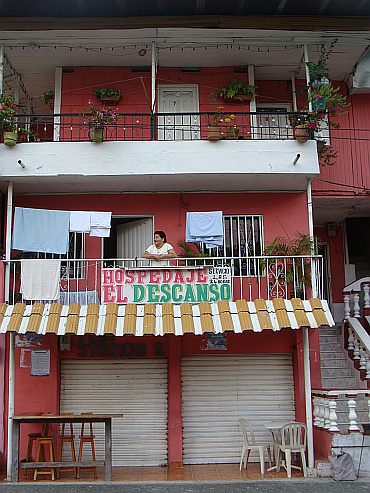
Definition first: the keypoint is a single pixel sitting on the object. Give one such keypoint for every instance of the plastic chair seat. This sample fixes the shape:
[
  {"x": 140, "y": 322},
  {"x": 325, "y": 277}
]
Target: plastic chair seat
[
  {"x": 251, "y": 444},
  {"x": 293, "y": 440}
]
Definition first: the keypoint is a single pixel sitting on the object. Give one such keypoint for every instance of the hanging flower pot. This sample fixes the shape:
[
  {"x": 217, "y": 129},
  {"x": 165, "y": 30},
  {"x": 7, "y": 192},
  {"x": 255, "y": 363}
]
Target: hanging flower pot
[
  {"x": 96, "y": 134},
  {"x": 214, "y": 132},
  {"x": 301, "y": 134},
  {"x": 10, "y": 138},
  {"x": 319, "y": 104}
]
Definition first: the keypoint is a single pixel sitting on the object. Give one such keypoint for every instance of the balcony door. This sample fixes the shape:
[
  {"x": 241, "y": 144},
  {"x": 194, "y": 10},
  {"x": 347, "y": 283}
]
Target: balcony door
[
  {"x": 181, "y": 99},
  {"x": 272, "y": 122},
  {"x": 133, "y": 238}
]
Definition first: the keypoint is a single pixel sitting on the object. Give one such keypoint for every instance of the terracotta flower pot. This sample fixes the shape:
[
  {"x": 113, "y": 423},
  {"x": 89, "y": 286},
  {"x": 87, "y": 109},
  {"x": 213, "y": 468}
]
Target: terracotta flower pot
[
  {"x": 301, "y": 134},
  {"x": 239, "y": 98},
  {"x": 96, "y": 134},
  {"x": 10, "y": 138},
  {"x": 214, "y": 132}
]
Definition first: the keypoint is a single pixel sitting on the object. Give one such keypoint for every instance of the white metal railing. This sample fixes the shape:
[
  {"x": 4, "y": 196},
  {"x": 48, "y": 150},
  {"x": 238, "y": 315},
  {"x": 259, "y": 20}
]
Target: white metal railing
[
  {"x": 255, "y": 277},
  {"x": 325, "y": 403}
]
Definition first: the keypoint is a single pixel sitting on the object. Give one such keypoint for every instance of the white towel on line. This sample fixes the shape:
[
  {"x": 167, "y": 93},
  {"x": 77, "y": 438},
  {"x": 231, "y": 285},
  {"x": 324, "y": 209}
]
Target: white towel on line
[
  {"x": 100, "y": 219},
  {"x": 40, "y": 279},
  {"x": 101, "y": 232},
  {"x": 79, "y": 221}
]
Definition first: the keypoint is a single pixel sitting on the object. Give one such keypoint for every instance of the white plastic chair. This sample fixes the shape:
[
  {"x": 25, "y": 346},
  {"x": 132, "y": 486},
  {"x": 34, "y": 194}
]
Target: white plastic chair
[
  {"x": 251, "y": 444},
  {"x": 293, "y": 439}
]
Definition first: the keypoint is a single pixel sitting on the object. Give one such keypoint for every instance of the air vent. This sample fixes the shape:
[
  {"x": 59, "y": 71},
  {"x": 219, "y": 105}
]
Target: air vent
[
  {"x": 141, "y": 69},
  {"x": 68, "y": 70}
]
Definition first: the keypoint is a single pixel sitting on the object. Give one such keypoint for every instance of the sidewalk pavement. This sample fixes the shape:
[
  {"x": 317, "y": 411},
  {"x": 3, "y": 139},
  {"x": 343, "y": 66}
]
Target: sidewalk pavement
[{"x": 308, "y": 485}]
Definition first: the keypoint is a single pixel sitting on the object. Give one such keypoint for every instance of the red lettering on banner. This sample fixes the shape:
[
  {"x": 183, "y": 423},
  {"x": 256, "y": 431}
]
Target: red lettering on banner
[
  {"x": 108, "y": 276},
  {"x": 202, "y": 275},
  {"x": 141, "y": 275},
  {"x": 109, "y": 296},
  {"x": 167, "y": 276},
  {"x": 179, "y": 277},
  {"x": 130, "y": 277},
  {"x": 192, "y": 276},
  {"x": 119, "y": 293},
  {"x": 119, "y": 275},
  {"x": 154, "y": 276}
]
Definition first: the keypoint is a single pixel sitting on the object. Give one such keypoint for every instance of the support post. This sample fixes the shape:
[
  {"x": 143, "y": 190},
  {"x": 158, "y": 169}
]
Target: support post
[
  {"x": 307, "y": 389},
  {"x": 57, "y": 102}
]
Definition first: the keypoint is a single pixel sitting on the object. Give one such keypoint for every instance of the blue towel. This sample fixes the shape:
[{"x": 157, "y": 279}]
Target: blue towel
[
  {"x": 40, "y": 230},
  {"x": 205, "y": 227}
]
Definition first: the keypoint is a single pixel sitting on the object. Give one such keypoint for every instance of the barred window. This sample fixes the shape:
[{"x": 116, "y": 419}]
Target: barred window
[{"x": 243, "y": 239}]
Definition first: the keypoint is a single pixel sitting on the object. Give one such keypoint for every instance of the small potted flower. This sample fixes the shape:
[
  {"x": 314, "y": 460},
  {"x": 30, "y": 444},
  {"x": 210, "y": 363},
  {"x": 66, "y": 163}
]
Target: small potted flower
[
  {"x": 108, "y": 95},
  {"x": 215, "y": 119},
  {"x": 8, "y": 124},
  {"x": 305, "y": 124},
  {"x": 48, "y": 99},
  {"x": 98, "y": 118}
]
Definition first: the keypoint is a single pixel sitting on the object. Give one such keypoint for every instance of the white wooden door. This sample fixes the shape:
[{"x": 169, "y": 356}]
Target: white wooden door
[
  {"x": 218, "y": 390},
  {"x": 133, "y": 239},
  {"x": 181, "y": 99}
]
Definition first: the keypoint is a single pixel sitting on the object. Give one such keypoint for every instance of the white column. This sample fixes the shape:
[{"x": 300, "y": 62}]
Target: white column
[
  {"x": 312, "y": 239},
  {"x": 8, "y": 241},
  {"x": 154, "y": 70},
  {"x": 1, "y": 67},
  {"x": 307, "y": 72},
  {"x": 294, "y": 95},
  {"x": 307, "y": 388},
  {"x": 57, "y": 102},
  {"x": 252, "y": 106}
]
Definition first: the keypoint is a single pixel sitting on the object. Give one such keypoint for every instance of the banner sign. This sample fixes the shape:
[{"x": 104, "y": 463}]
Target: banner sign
[{"x": 166, "y": 285}]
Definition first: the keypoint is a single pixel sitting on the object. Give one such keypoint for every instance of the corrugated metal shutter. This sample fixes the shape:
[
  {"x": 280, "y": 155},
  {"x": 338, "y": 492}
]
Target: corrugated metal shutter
[
  {"x": 217, "y": 390},
  {"x": 138, "y": 389}
]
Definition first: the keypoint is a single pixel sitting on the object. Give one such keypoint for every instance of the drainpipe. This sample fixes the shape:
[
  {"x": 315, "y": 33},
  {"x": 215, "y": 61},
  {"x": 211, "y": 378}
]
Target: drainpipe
[
  {"x": 11, "y": 335},
  {"x": 306, "y": 345}
]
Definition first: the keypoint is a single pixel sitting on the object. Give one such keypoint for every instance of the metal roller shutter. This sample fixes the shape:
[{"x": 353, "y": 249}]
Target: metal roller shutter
[
  {"x": 217, "y": 390},
  {"x": 138, "y": 389}
]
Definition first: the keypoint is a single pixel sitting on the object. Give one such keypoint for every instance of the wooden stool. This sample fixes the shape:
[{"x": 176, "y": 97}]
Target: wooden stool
[
  {"x": 86, "y": 439},
  {"x": 46, "y": 440},
  {"x": 63, "y": 438},
  {"x": 32, "y": 437}
]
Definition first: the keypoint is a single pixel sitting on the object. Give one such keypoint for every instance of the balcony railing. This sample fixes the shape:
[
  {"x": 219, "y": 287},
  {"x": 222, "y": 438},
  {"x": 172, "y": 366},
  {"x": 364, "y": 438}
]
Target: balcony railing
[
  {"x": 250, "y": 278},
  {"x": 70, "y": 127}
]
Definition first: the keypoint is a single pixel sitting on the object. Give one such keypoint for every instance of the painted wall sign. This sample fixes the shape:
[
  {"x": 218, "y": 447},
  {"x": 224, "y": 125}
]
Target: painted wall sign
[
  {"x": 166, "y": 285},
  {"x": 107, "y": 347}
]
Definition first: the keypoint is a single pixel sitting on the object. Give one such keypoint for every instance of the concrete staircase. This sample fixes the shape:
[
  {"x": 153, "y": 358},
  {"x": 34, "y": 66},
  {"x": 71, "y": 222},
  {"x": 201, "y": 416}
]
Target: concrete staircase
[{"x": 338, "y": 372}]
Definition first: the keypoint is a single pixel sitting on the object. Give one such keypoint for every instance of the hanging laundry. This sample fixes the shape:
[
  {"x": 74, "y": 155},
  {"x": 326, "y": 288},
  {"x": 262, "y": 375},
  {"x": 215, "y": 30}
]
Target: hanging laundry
[
  {"x": 100, "y": 223},
  {"x": 40, "y": 279},
  {"x": 40, "y": 230},
  {"x": 80, "y": 221},
  {"x": 205, "y": 227}
]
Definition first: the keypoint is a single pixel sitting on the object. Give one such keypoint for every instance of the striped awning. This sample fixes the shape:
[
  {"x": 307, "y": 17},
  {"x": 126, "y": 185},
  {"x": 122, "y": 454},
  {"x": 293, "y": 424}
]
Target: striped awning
[{"x": 162, "y": 319}]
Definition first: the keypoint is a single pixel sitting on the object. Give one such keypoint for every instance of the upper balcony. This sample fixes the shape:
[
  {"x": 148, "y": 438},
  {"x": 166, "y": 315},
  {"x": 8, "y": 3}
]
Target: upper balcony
[{"x": 160, "y": 152}]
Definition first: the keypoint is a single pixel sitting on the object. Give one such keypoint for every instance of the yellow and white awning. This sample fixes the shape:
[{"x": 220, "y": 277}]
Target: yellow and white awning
[{"x": 162, "y": 319}]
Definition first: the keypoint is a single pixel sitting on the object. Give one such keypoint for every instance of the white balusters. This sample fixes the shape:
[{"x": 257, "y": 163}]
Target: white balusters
[
  {"x": 333, "y": 415},
  {"x": 366, "y": 289},
  {"x": 356, "y": 304},
  {"x": 368, "y": 404},
  {"x": 316, "y": 410},
  {"x": 351, "y": 339},
  {"x": 356, "y": 349},
  {"x": 352, "y": 416},
  {"x": 347, "y": 308},
  {"x": 362, "y": 358},
  {"x": 326, "y": 414},
  {"x": 367, "y": 366}
]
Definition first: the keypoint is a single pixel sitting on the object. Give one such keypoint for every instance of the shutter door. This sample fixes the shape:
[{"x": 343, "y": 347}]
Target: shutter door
[
  {"x": 218, "y": 390},
  {"x": 137, "y": 389}
]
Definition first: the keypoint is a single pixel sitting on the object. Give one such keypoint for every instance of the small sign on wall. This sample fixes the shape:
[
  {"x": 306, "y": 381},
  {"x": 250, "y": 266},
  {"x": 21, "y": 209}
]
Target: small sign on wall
[
  {"x": 214, "y": 342},
  {"x": 40, "y": 362}
]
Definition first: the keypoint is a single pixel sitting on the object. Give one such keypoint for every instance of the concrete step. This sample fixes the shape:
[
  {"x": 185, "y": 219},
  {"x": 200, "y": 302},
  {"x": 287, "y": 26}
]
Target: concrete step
[
  {"x": 326, "y": 339},
  {"x": 331, "y": 354},
  {"x": 331, "y": 346},
  {"x": 336, "y": 372},
  {"x": 339, "y": 383},
  {"x": 334, "y": 362}
]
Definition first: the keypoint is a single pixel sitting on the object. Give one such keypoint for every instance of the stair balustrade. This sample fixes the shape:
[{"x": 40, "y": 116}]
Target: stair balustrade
[{"x": 325, "y": 406}]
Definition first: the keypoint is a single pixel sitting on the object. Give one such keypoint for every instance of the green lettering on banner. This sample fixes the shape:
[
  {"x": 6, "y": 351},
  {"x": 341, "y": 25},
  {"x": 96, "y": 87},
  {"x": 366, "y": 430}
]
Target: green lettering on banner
[
  {"x": 139, "y": 293},
  {"x": 225, "y": 292},
  {"x": 189, "y": 295},
  {"x": 166, "y": 293},
  {"x": 213, "y": 289},
  {"x": 177, "y": 297},
  {"x": 202, "y": 292},
  {"x": 153, "y": 293}
]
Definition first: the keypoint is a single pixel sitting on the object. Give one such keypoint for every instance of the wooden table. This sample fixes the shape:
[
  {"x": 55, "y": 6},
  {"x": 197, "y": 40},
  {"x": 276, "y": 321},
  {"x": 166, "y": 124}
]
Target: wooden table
[{"x": 51, "y": 418}]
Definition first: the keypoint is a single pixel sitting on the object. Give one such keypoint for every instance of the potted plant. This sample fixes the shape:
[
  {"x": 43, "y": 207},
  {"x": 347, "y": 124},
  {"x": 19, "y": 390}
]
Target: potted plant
[
  {"x": 108, "y": 95},
  {"x": 296, "y": 272},
  {"x": 237, "y": 91},
  {"x": 304, "y": 124},
  {"x": 8, "y": 125},
  {"x": 327, "y": 98},
  {"x": 98, "y": 118},
  {"x": 48, "y": 99},
  {"x": 214, "y": 120},
  {"x": 319, "y": 73}
]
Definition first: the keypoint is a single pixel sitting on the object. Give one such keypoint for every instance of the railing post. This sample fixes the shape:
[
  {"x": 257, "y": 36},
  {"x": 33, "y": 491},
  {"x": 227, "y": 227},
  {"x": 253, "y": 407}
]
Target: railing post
[
  {"x": 356, "y": 304},
  {"x": 362, "y": 358},
  {"x": 356, "y": 350},
  {"x": 366, "y": 289},
  {"x": 333, "y": 415},
  {"x": 326, "y": 414},
  {"x": 352, "y": 416},
  {"x": 351, "y": 339},
  {"x": 153, "y": 126},
  {"x": 347, "y": 308},
  {"x": 367, "y": 366}
]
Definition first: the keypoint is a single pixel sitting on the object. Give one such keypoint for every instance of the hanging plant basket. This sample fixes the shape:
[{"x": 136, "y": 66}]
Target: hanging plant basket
[
  {"x": 10, "y": 138},
  {"x": 214, "y": 132},
  {"x": 319, "y": 105},
  {"x": 110, "y": 99},
  {"x": 96, "y": 134},
  {"x": 238, "y": 98},
  {"x": 301, "y": 134}
]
